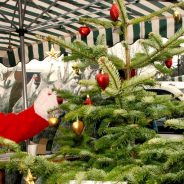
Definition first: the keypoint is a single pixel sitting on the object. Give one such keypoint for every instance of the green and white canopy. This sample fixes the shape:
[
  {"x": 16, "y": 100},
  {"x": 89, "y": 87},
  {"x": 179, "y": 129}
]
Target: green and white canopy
[{"x": 61, "y": 19}]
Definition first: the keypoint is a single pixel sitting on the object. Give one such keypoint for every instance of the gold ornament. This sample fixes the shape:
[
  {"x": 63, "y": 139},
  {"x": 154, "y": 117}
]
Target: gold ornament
[
  {"x": 52, "y": 53},
  {"x": 29, "y": 178},
  {"x": 177, "y": 16},
  {"x": 76, "y": 69},
  {"x": 53, "y": 121},
  {"x": 78, "y": 127}
]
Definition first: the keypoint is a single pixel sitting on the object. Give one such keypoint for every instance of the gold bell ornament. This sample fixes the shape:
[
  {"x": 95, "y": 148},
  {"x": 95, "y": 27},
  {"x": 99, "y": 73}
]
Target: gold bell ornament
[
  {"x": 177, "y": 15},
  {"x": 78, "y": 127},
  {"x": 53, "y": 120},
  {"x": 76, "y": 69}
]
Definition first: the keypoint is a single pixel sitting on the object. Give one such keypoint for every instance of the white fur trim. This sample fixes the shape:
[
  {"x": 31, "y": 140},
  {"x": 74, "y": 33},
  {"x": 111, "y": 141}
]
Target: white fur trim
[{"x": 46, "y": 100}]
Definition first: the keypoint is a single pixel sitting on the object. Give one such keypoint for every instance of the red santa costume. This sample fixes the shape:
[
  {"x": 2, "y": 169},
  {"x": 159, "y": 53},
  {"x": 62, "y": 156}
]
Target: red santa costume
[{"x": 26, "y": 124}]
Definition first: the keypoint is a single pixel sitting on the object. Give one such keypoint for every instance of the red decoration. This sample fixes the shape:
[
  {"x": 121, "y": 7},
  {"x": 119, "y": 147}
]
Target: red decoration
[
  {"x": 88, "y": 101},
  {"x": 114, "y": 12},
  {"x": 102, "y": 80},
  {"x": 59, "y": 100},
  {"x": 84, "y": 31},
  {"x": 133, "y": 72},
  {"x": 168, "y": 62}
]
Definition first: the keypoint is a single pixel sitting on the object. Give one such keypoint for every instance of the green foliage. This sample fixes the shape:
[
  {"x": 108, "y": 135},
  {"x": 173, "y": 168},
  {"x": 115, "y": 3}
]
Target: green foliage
[
  {"x": 175, "y": 123},
  {"x": 8, "y": 145}
]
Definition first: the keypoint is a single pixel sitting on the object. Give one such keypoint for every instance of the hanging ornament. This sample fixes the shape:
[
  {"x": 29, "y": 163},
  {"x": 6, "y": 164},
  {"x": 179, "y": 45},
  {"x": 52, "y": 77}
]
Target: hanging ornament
[
  {"x": 102, "y": 80},
  {"x": 177, "y": 15},
  {"x": 114, "y": 12},
  {"x": 53, "y": 121},
  {"x": 78, "y": 127},
  {"x": 52, "y": 53},
  {"x": 168, "y": 62},
  {"x": 76, "y": 69},
  {"x": 29, "y": 179},
  {"x": 59, "y": 100},
  {"x": 133, "y": 72},
  {"x": 88, "y": 101},
  {"x": 84, "y": 31}
]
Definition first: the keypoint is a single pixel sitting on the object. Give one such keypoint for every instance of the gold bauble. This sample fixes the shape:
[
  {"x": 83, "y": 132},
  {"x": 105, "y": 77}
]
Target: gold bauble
[
  {"x": 53, "y": 121},
  {"x": 177, "y": 16},
  {"x": 77, "y": 127}
]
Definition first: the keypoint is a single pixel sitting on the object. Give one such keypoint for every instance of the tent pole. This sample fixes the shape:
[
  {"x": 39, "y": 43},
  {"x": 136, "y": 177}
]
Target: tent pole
[{"x": 21, "y": 32}]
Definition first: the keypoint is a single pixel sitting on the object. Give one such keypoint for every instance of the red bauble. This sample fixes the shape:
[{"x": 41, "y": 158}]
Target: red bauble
[
  {"x": 84, "y": 31},
  {"x": 114, "y": 12},
  {"x": 59, "y": 100},
  {"x": 133, "y": 72},
  {"x": 102, "y": 80},
  {"x": 168, "y": 62},
  {"x": 88, "y": 101}
]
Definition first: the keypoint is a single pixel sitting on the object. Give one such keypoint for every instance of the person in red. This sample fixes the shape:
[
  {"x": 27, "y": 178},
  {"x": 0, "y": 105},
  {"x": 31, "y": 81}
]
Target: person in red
[{"x": 26, "y": 124}]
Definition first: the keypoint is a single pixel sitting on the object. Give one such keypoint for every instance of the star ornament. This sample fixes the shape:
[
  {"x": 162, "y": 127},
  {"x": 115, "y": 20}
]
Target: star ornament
[
  {"x": 52, "y": 53},
  {"x": 29, "y": 178}
]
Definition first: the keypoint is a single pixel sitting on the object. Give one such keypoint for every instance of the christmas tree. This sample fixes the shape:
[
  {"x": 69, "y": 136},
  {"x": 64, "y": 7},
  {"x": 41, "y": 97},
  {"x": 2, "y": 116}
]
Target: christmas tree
[
  {"x": 105, "y": 134},
  {"x": 112, "y": 139}
]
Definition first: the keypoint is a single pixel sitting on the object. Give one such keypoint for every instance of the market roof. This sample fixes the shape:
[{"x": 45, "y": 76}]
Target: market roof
[{"x": 61, "y": 19}]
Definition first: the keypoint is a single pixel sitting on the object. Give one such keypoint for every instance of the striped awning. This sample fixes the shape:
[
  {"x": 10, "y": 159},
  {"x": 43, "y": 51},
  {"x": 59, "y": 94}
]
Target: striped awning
[
  {"x": 177, "y": 78},
  {"x": 61, "y": 19}
]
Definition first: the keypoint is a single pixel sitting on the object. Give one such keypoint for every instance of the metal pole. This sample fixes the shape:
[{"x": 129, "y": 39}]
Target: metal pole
[
  {"x": 21, "y": 32},
  {"x": 22, "y": 54},
  {"x": 62, "y": 15}
]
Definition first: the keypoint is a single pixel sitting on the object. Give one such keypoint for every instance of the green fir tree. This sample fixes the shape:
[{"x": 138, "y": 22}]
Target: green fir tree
[{"x": 117, "y": 143}]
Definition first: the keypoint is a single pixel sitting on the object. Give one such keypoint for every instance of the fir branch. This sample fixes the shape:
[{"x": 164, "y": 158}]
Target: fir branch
[
  {"x": 175, "y": 162},
  {"x": 104, "y": 23},
  {"x": 163, "y": 69},
  {"x": 70, "y": 46},
  {"x": 135, "y": 81},
  {"x": 11, "y": 145},
  {"x": 177, "y": 43},
  {"x": 175, "y": 51},
  {"x": 158, "y": 39},
  {"x": 96, "y": 174},
  {"x": 103, "y": 125},
  {"x": 171, "y": 177},
  {"x": 123, "y": 11},
  {"x": 91, "y": 83},
  {"x": 155, "y": 13},
  {"x": 120, "y": 112},
  {"x": 158, "y": 141},
  {"x": 173, "y": 38},
  {"x": 78, "y": 112},
  {"x": 175, "y": 123},
  {"x": 70, "y": 58},
  {"x": 118, "y": 63},
  {"x": 141, "y": 59}
]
